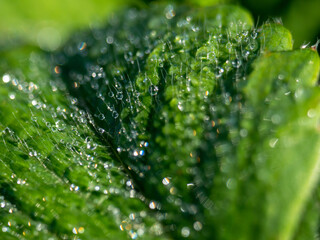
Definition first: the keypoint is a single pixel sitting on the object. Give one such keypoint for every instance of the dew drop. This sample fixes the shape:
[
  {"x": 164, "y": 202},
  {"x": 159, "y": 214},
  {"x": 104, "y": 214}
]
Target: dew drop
[
  {"x": 243, "y": 132},
  {"x": 141, "y": 152},
  {"x": 170, "y": 13},
  {"x": 236, "y": 63},
  {"x": 273, "y": 142},
  {"x": 133, "y": 234},
  {"x": 231, "y": 183},
  {"x": 109, "y": 40},
  {"x": 119, "y": 95},
  {"x": 152, "y": 205},
  {"x": 153, "y": 90},
  {"x": 75, "y": 231},
  {"x": 135, "y": 153},
  {"x": 101, "y": 116},
  {"x": 254, "y": 34},
  {"x": 90, "y": 144},
  {"x": 185, "y": 232},
  {"x": 220, "y": 71},
  {"x": 82, "y": 46},
  {"x": 253, "y": 46},
  {"x": 115, "y": 114},
  {"x": 101, "y": 130},
  {"x": 229, "y": 45},
  {"x": 6, "y": 78},
  {"x": 245, "y": 54},
  {"x": 166, "y": 181},
  {"x": 12, "y": 96},
  {"x": 197, "y": 226},
  {"x": 60, "y": 125},
  {"x": 111, "y": 94},
  {"x": 311, "y": 113}
]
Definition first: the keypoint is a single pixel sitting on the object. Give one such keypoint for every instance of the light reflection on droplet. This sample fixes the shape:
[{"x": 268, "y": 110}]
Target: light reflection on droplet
[
  {"x": 82, "y": 46},
  {"x": 152, "y": 205},
  {"x": 153, "y": 90},
  {"x": 166, "y": 181},
  {"x": 133, "y": 234},
  {"x": 75, "y": 231},
  {"x": 81, "y": 229},
  {"x": 273, "y": 142},
  {"x": 141, "y": 152},
  {"x": 311, "y": 113},
  {"x": 12, "y": 96},
  {"x": 6, "y": 78}
]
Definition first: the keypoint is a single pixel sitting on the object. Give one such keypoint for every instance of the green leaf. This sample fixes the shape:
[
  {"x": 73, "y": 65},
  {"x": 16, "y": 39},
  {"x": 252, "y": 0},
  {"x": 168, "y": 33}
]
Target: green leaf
[{"x": 167, "y": 123}]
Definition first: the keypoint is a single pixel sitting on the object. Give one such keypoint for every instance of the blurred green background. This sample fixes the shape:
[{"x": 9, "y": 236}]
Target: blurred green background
[{"x": 49, "y": 23}]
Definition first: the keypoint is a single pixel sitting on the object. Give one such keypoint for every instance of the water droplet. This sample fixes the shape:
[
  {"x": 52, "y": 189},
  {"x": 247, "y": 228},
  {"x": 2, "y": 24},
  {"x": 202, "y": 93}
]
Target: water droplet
[
  {"x": 254, "y": 34},
  {"x": 197, "y": 226},
  {"x": 166, "y": 181},
  {"x": 60, "y": 125},
  {"x": 115, "y": 114},
  {"x": 180, "y": 107},
  {"x": 82, "y": 46},
  {"x": 195, "y": 28},
  {"x": 90, "y": 144},
  {"x": 75, "y": 231},
  {"x": 135, "y": 153},
  {"x": 219, "y": 72},
  {"x": 170, "y": 13},
  {"x": 253, "y": 46},
  {"x": 74, "y": 101},
  {"x": 141, "y": 152},
  {"x": 109, "y": 40},
  {"x": 185, "y": 232},
  {"x": 273, "y": 142},
  {"x": 311, "y": 113},
  {"x": 12, "y": 96},
  {"x": 6, "y": 78},
  {"x": 229, "y": 45},
  {"x": 231, "y": 183},
  {"x": 111, "y": 94},
  {"x": 243, "y": 132},
  {"x": 101, "y": 116},
  {"x": 236, "y": 63},
  {"x": 101, "y": 130},
  {"x": 133, "y": 234},
  {"x": 119, "y": 95},
  {"x": 276, "y": 119},
  {"x": 153, "y": 90},
  {"x": 152, "y": 205},
  {"x": 245, "y": 54}
]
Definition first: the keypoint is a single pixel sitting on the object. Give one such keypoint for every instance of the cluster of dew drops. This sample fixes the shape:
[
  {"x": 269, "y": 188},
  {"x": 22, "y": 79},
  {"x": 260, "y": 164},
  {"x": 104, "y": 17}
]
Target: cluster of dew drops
[{"x": 115, "y": 90}]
